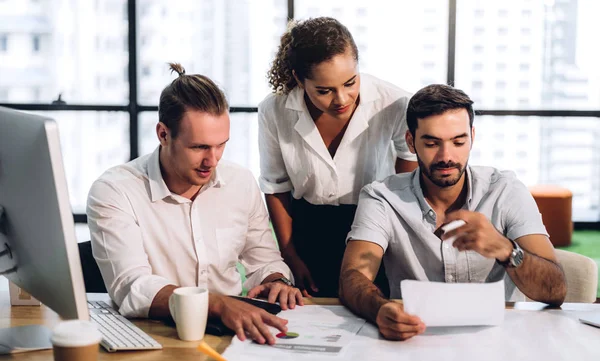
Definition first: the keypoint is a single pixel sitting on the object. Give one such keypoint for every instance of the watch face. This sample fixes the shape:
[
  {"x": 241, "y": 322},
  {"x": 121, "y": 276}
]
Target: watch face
[{"x": 516, "y": 257}]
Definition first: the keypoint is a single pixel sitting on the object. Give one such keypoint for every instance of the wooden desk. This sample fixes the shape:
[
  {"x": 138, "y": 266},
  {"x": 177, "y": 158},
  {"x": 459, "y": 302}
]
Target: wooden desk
[{"x": 173, "y": 348}]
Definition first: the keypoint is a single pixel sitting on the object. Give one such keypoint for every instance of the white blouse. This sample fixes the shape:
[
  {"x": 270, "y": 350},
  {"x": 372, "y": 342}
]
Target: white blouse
[{"x": 293, "y": 156}]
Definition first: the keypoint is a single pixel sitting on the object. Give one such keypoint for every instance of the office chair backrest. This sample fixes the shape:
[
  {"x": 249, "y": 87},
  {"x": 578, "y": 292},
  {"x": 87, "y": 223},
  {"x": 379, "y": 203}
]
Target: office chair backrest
[
  {"x": 92, "y": 278},
  {"x": 581, "y": 273}
]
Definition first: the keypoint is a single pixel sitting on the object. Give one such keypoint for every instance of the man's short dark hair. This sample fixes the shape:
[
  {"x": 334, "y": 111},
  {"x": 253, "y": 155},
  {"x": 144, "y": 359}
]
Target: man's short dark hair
[{"x": 436, "y": 99}]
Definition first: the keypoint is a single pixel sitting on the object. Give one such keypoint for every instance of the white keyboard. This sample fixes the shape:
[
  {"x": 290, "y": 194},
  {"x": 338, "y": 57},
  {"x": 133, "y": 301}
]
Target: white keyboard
[{"x": 118, "y": 333}]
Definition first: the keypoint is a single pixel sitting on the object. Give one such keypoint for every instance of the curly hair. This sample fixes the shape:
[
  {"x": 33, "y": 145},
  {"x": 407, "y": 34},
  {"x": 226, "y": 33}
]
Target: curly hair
[
  {"x": 305, "y": 44},
  {"x": 186, "y": 92}
]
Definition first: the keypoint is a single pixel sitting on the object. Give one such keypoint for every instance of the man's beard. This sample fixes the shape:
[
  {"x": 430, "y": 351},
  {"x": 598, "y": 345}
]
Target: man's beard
[{"x": 442, "y": 182}]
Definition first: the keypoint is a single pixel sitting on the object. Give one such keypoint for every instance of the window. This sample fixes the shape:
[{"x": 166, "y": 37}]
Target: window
[
  {"x": 74, "y": 60},
  {"x": 430, "y": 24},
  {"x": 551, "y": 64},
  {"x": 543, "y": 63},
  {"x": 539, "y": 147},
  {"x": 105, "y": 137},
  {"x": 234, "y": 48}
]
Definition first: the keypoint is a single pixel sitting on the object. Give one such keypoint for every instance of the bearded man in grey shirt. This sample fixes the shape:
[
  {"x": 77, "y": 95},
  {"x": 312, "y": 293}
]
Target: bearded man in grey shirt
[{"x": 399, "y": 220}]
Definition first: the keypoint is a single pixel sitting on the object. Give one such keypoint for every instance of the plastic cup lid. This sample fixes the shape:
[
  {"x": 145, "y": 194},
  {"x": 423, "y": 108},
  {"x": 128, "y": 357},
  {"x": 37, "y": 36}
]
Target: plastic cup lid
[{"x": 75, "y": 333}]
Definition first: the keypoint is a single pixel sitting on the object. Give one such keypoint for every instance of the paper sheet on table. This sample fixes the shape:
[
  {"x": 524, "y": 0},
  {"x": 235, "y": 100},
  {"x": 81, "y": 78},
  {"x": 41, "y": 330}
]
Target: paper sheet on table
[
  {"x": 550, "y": 335},
  {"x": 454, "y": 304},
  {"x": 316, "y": 331}
]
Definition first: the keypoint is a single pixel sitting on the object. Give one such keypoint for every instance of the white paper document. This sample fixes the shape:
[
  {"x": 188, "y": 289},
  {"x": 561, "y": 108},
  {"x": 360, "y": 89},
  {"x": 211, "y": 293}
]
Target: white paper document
[
  {"x": 454, "y": 304},
  {"x": 323, "y": 331}
]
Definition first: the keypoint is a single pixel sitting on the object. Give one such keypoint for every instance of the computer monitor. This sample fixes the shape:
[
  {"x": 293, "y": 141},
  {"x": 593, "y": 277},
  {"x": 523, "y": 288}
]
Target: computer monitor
[{"x": 37, "y": 223}]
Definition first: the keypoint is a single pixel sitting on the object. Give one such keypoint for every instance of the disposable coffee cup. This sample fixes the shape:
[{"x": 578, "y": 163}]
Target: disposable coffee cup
[{"x": 76, "y": 341}]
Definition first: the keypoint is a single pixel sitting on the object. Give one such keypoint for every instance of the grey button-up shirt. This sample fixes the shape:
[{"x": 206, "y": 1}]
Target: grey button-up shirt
[{"x": 394, "y": 214}]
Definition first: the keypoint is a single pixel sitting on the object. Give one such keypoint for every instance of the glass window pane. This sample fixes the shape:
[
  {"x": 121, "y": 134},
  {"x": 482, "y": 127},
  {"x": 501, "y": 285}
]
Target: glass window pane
[
  {"x": 231, "y": 41},
  {"x": 403, "y": 42},
  {"x": 74, "y": 48},
  {"x": 91, "y": 143},
  {"x": 545, "y": 150},
  {"x": 241, "y": 149},
  {"x": 529, "y": 54}
]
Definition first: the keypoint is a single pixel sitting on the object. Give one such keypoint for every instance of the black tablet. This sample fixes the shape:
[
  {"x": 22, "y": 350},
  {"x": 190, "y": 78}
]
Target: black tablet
[{"x": 217, "y": 328}]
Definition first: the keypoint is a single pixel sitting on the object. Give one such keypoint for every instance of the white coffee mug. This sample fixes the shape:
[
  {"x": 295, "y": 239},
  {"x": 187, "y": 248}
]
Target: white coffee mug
[{"x": 189, "y": 309}]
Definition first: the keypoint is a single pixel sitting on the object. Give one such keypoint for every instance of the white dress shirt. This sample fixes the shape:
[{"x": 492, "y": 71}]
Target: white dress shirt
[
  {"x": 144, "y": 237},
  {"x": 293, "y": 156}
]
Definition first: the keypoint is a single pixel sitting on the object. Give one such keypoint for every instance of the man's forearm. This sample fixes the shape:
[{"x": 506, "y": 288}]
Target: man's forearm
[
  {"x": 540, "y": 279},
  {"x": 159, "y": 309},
  {"x": 359, "y": 294}
]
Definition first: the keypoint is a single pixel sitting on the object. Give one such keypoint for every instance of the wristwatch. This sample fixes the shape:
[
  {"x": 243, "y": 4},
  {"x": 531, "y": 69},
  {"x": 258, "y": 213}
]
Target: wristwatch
[
  {"x": 284, "y": 280},
  {"x": 516, "y": 256}
]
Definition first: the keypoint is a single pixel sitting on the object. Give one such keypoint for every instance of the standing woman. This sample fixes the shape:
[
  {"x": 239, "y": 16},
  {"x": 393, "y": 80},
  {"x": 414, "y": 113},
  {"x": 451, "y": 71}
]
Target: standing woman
[{"x": 325, "y": 132}]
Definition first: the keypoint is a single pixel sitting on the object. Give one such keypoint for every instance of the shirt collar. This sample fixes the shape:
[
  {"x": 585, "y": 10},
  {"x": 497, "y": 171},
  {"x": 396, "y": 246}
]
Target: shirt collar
[
  {"x": 368, "y": 93},
  {"x": 158, "y": 187},
  {"x": 418, "y": 191}
]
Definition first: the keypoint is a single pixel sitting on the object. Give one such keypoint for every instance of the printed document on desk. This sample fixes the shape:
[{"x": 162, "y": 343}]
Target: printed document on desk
[
  {"x": 549, "y": 335},
  {"x": 313, "y": 331},
  {"x": 454, "y": 304}
]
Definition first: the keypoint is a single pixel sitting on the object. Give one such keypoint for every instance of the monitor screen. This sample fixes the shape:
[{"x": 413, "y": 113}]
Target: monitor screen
[{"x": 37, "y": 224}]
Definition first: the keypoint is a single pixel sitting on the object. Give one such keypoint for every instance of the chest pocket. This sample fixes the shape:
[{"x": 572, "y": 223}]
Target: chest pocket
[{"x": 230, "y": 241}]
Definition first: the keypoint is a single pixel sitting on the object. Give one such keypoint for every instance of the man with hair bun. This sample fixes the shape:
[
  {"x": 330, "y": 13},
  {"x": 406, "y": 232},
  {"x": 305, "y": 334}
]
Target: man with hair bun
[{"x": 181, "y": 217}]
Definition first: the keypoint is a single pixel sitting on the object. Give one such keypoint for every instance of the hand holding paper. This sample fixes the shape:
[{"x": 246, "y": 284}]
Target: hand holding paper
[
  {"x": 395, "y": 324},
  {"x": 454, "y": 304}
]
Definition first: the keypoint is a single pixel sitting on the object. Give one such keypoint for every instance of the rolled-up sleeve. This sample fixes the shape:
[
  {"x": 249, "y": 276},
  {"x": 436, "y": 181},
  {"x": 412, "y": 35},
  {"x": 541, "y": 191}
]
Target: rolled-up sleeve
[
  {"x": 118, "y": 249},
  {"x": 399, "y": 133},
  {"x": 371, "y": 222},
  {"x": 273, "y": 174},
  {"x": 260, "y": 255}
]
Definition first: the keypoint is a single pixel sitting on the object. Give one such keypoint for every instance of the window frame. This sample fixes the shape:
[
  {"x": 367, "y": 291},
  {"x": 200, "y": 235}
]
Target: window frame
[{"x": 134, "y": 108}]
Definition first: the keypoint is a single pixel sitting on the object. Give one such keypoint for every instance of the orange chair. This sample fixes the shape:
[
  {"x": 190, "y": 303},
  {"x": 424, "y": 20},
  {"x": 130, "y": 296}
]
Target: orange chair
[{"x": 555, "y": 205}]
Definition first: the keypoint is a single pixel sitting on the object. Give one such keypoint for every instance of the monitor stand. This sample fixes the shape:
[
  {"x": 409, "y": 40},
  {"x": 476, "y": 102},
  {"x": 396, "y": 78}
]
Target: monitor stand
[{"x": 21, "y": 338}]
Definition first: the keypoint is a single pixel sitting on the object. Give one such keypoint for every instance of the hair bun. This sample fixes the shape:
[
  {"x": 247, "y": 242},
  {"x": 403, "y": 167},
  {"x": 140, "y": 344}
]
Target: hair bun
[{"x": 176, "y": 67}]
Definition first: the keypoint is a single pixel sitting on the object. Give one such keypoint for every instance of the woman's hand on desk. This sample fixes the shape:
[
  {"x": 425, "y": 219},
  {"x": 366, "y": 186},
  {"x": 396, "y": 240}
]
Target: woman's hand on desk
[
  {"x": 395, "y": 324},
  {"x": 248, "y": 320},
  {"x": 302, "y": 275},
  {"x": 287, "y": 296}
]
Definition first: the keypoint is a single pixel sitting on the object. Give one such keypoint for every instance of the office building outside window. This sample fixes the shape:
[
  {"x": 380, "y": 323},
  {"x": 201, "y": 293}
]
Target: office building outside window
[{"x": 510, "y": 57}]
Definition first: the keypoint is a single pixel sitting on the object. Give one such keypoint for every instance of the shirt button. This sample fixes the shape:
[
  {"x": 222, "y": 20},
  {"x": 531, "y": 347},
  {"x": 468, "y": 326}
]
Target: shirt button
[
  {"x": 203, "y": 272},
  {"x": 331, "y": 195},
  {"x": 446, "y": 246}
]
